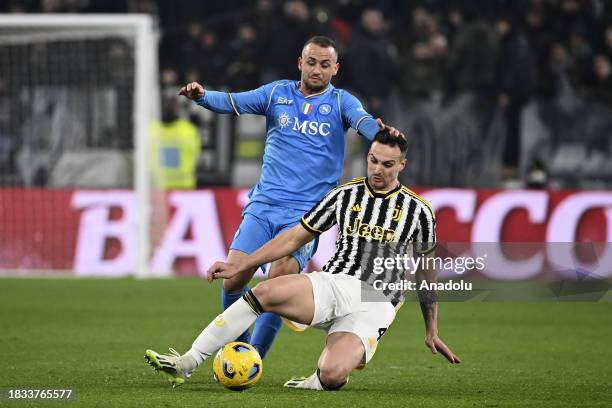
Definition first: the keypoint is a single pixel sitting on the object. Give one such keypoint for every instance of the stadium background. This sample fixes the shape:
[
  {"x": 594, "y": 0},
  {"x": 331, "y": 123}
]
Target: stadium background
[
  {"x": 490, "y": 91},
  {"x": 508, "y": 106}
]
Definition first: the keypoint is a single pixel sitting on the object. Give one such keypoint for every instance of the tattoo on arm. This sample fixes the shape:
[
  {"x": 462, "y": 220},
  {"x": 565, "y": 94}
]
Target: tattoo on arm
[
  {"x": 429, "y": 305},
  {"x": 428, "y": 297}
]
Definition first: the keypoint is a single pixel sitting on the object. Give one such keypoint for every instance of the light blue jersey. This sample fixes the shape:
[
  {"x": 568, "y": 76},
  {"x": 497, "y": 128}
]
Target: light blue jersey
[{"x": 304, "y": 150}]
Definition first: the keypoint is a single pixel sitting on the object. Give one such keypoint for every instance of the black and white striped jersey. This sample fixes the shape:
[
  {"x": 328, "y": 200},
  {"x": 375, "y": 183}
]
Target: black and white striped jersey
[{"x": 399, "y": 217}]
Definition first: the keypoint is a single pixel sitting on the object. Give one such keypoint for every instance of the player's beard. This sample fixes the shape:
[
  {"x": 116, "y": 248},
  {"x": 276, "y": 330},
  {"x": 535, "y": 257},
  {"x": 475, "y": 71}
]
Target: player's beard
[
  {"x": 314, "y": 88},
  {"x": 380, "y": 184},
  {"x": 383, "y": 182}
]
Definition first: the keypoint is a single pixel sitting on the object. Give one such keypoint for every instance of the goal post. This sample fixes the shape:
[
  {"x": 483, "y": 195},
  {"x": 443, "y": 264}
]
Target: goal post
[{"x": 73, "y": 84}]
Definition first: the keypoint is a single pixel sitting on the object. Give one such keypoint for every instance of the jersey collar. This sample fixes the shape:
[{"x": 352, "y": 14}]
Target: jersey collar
[
  {"x": 329, "y": 86},
  {"x": 381, "y": 195}
]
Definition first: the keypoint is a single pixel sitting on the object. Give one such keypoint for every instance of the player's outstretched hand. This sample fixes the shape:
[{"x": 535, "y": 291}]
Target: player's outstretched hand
[
  {"x": 435, "y": 344},
  {"x": 221, "y": 270},
  {"x": 192, "y": 90},
  {"x": 394, "y": 132}
]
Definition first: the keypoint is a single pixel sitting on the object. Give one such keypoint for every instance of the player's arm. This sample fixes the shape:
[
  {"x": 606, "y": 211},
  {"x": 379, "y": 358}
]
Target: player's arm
[
  {"x": 282, "y": 245},
  {"x": 255, "y": 101},
  {"x": 428, "y": 300},
  {"x": 355, "y": 116},
  {"x": 318, "y": 219}
]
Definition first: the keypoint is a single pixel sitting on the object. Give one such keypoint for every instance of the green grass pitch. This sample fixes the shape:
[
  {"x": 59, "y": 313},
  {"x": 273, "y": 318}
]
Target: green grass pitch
[{"x": 90, "y": 335}]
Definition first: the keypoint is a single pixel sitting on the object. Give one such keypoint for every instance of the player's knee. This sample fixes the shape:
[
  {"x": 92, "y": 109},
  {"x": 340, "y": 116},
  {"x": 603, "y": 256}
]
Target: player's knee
[
  {"x": 265, "y": 294},
  {"x": 237, "y": 282},
  {"x": 232, "y": 285},
  {"x": 333, "y": 376}
]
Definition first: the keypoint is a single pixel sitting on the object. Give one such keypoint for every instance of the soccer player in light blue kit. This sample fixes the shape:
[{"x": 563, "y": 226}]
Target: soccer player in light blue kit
[{"x": 303, "y": 159}]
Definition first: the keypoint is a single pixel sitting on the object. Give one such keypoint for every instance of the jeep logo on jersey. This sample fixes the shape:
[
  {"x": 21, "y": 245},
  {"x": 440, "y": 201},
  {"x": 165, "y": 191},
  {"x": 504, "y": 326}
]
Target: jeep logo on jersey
[
  {"x": 310, "y": 127},
  {"x": 375, "y": 232}
]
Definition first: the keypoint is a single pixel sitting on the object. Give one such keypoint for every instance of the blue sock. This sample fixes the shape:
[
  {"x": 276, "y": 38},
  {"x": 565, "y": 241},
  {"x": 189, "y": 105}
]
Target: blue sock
[
  {"x": 266, "y": 328},
  {"x": 228, "y": 299}
]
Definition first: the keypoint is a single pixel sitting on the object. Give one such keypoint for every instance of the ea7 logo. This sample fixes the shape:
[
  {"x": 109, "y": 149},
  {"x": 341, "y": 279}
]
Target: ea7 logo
[
  {"x": 284, "y": 101},
  {"x": 310, "y": 127}
]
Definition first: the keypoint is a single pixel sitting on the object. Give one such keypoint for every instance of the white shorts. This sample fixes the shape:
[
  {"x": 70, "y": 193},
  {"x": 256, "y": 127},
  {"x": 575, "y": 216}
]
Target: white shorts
[{"x": 338, "y": 308}]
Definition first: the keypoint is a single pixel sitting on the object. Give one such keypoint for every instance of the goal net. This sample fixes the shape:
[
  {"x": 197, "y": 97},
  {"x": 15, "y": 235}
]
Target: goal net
[{"x": 78, "y": 94}]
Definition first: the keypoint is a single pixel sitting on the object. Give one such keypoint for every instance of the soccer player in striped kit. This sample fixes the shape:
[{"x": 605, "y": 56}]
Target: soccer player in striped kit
[
  {"x": 375, "y": 210},
  {"x": 306, "y": 122}
]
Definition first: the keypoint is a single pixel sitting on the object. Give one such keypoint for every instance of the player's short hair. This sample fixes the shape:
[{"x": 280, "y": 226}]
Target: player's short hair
[
  {"x": 322, "y": 41},
  {"x": 386, "y": 138}
]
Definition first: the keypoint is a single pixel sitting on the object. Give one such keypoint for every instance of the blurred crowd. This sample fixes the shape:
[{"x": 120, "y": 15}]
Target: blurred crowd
[{"x": 510, "y": 51}]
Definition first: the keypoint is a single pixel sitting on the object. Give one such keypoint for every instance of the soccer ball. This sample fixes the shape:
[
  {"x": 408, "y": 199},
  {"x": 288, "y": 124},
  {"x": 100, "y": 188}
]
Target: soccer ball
[{"x": 237, "y": 366}]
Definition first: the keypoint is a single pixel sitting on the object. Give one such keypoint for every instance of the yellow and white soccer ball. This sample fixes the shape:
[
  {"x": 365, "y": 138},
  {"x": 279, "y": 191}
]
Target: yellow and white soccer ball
[{"x": 237, "y": 366}]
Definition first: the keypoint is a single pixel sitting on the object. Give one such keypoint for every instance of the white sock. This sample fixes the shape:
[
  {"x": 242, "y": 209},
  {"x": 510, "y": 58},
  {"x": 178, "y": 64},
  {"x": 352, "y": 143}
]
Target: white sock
[
  {"x": 189, "y": 362},
  {"x": 224, "y": 329},
  {"x": 311, "y": 383}
]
